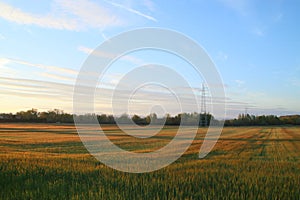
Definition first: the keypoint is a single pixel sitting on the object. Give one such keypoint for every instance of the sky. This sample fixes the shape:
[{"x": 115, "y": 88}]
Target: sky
[{"x": 254, "y": 45}]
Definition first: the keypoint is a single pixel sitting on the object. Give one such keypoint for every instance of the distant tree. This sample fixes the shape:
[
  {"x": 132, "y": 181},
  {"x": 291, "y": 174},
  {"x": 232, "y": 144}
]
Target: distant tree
[
  {"x": 67, "y": 118},
  {"x": 123, "y": 119},
  {"x": 7, "y": 117},
  {"x": 139, "y": 120},
  {"x": 152, "y": 118},
  {"x": 291, "y": 119},
  {"x": 27, "y": 116},
  {"x": 106, "y": 119}
]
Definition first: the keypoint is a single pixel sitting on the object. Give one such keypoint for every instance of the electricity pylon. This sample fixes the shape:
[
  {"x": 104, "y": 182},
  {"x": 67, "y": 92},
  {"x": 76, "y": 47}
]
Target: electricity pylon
[{"x": 203, "y": 114}]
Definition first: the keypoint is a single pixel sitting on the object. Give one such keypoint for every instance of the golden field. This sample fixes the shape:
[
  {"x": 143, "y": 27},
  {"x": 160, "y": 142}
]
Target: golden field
[{"x": 48, "y": 161}]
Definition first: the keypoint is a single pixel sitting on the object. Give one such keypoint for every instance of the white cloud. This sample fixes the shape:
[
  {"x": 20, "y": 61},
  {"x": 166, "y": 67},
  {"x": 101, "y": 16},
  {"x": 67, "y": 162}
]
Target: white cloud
[
  {"x": 73, "y": 15},
  {"x": 16, "y": 15},
  {"x": 89, "y": 13},
  {"x": 68, "y": 15},
  {"x": 132, "y": 10}
]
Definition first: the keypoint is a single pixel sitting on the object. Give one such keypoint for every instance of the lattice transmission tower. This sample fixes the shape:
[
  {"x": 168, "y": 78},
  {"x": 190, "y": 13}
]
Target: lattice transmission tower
[{"x": 203, "y": 113}]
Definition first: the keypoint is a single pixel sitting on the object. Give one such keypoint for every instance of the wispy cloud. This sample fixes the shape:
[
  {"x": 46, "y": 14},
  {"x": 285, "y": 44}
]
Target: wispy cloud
[
  {"x": 56, "y": 77},
  {"x": 16, "y": 15},
  {"x": 48, "y": 71},
  {"x": 239, "y": 6},
  {"x": 73, "y": 15},
  {"x": 18, "y": 94},
  {"x": 128, "y": 58},
  {"x": 104, "y": 36},
  {"x": 41, "y": 66},
  {"x": 22, "y": 87},
  {"x": 5, "y": 70},
  {"x": 68, "y": 15},
  {"x": 89, "y": 13},
  {"x": 132, "y": 10},
  {"x": 36, "y": 93},
  {"x": 255, "y": 19}
]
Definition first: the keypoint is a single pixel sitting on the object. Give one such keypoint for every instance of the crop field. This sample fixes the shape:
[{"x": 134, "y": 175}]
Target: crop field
[{"x": 48, "y": 161}]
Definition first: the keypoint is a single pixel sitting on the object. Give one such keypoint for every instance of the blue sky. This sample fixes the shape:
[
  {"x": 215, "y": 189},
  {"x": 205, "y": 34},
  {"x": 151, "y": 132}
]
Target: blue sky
[{"x": 254, "y": 44}]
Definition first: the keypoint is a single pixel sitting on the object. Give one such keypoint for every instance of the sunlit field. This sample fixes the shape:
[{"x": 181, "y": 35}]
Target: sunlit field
[{"x": 42, "y": 161}]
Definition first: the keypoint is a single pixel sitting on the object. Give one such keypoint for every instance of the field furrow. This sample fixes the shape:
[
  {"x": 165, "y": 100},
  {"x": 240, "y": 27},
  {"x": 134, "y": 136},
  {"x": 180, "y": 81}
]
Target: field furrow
[{"x": 48, "y": 161}]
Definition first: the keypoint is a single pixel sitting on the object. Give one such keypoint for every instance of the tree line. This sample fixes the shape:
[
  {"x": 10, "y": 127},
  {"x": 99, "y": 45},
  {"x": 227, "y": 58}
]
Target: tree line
[
  {"x": 263, "y": 120},
  {"x": 59, "y": 116},
  {"x": 33, "y": 115}
]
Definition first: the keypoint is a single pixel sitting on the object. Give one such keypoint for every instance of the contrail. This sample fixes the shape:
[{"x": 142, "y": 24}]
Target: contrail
[{"x": 132, "y": 10}]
